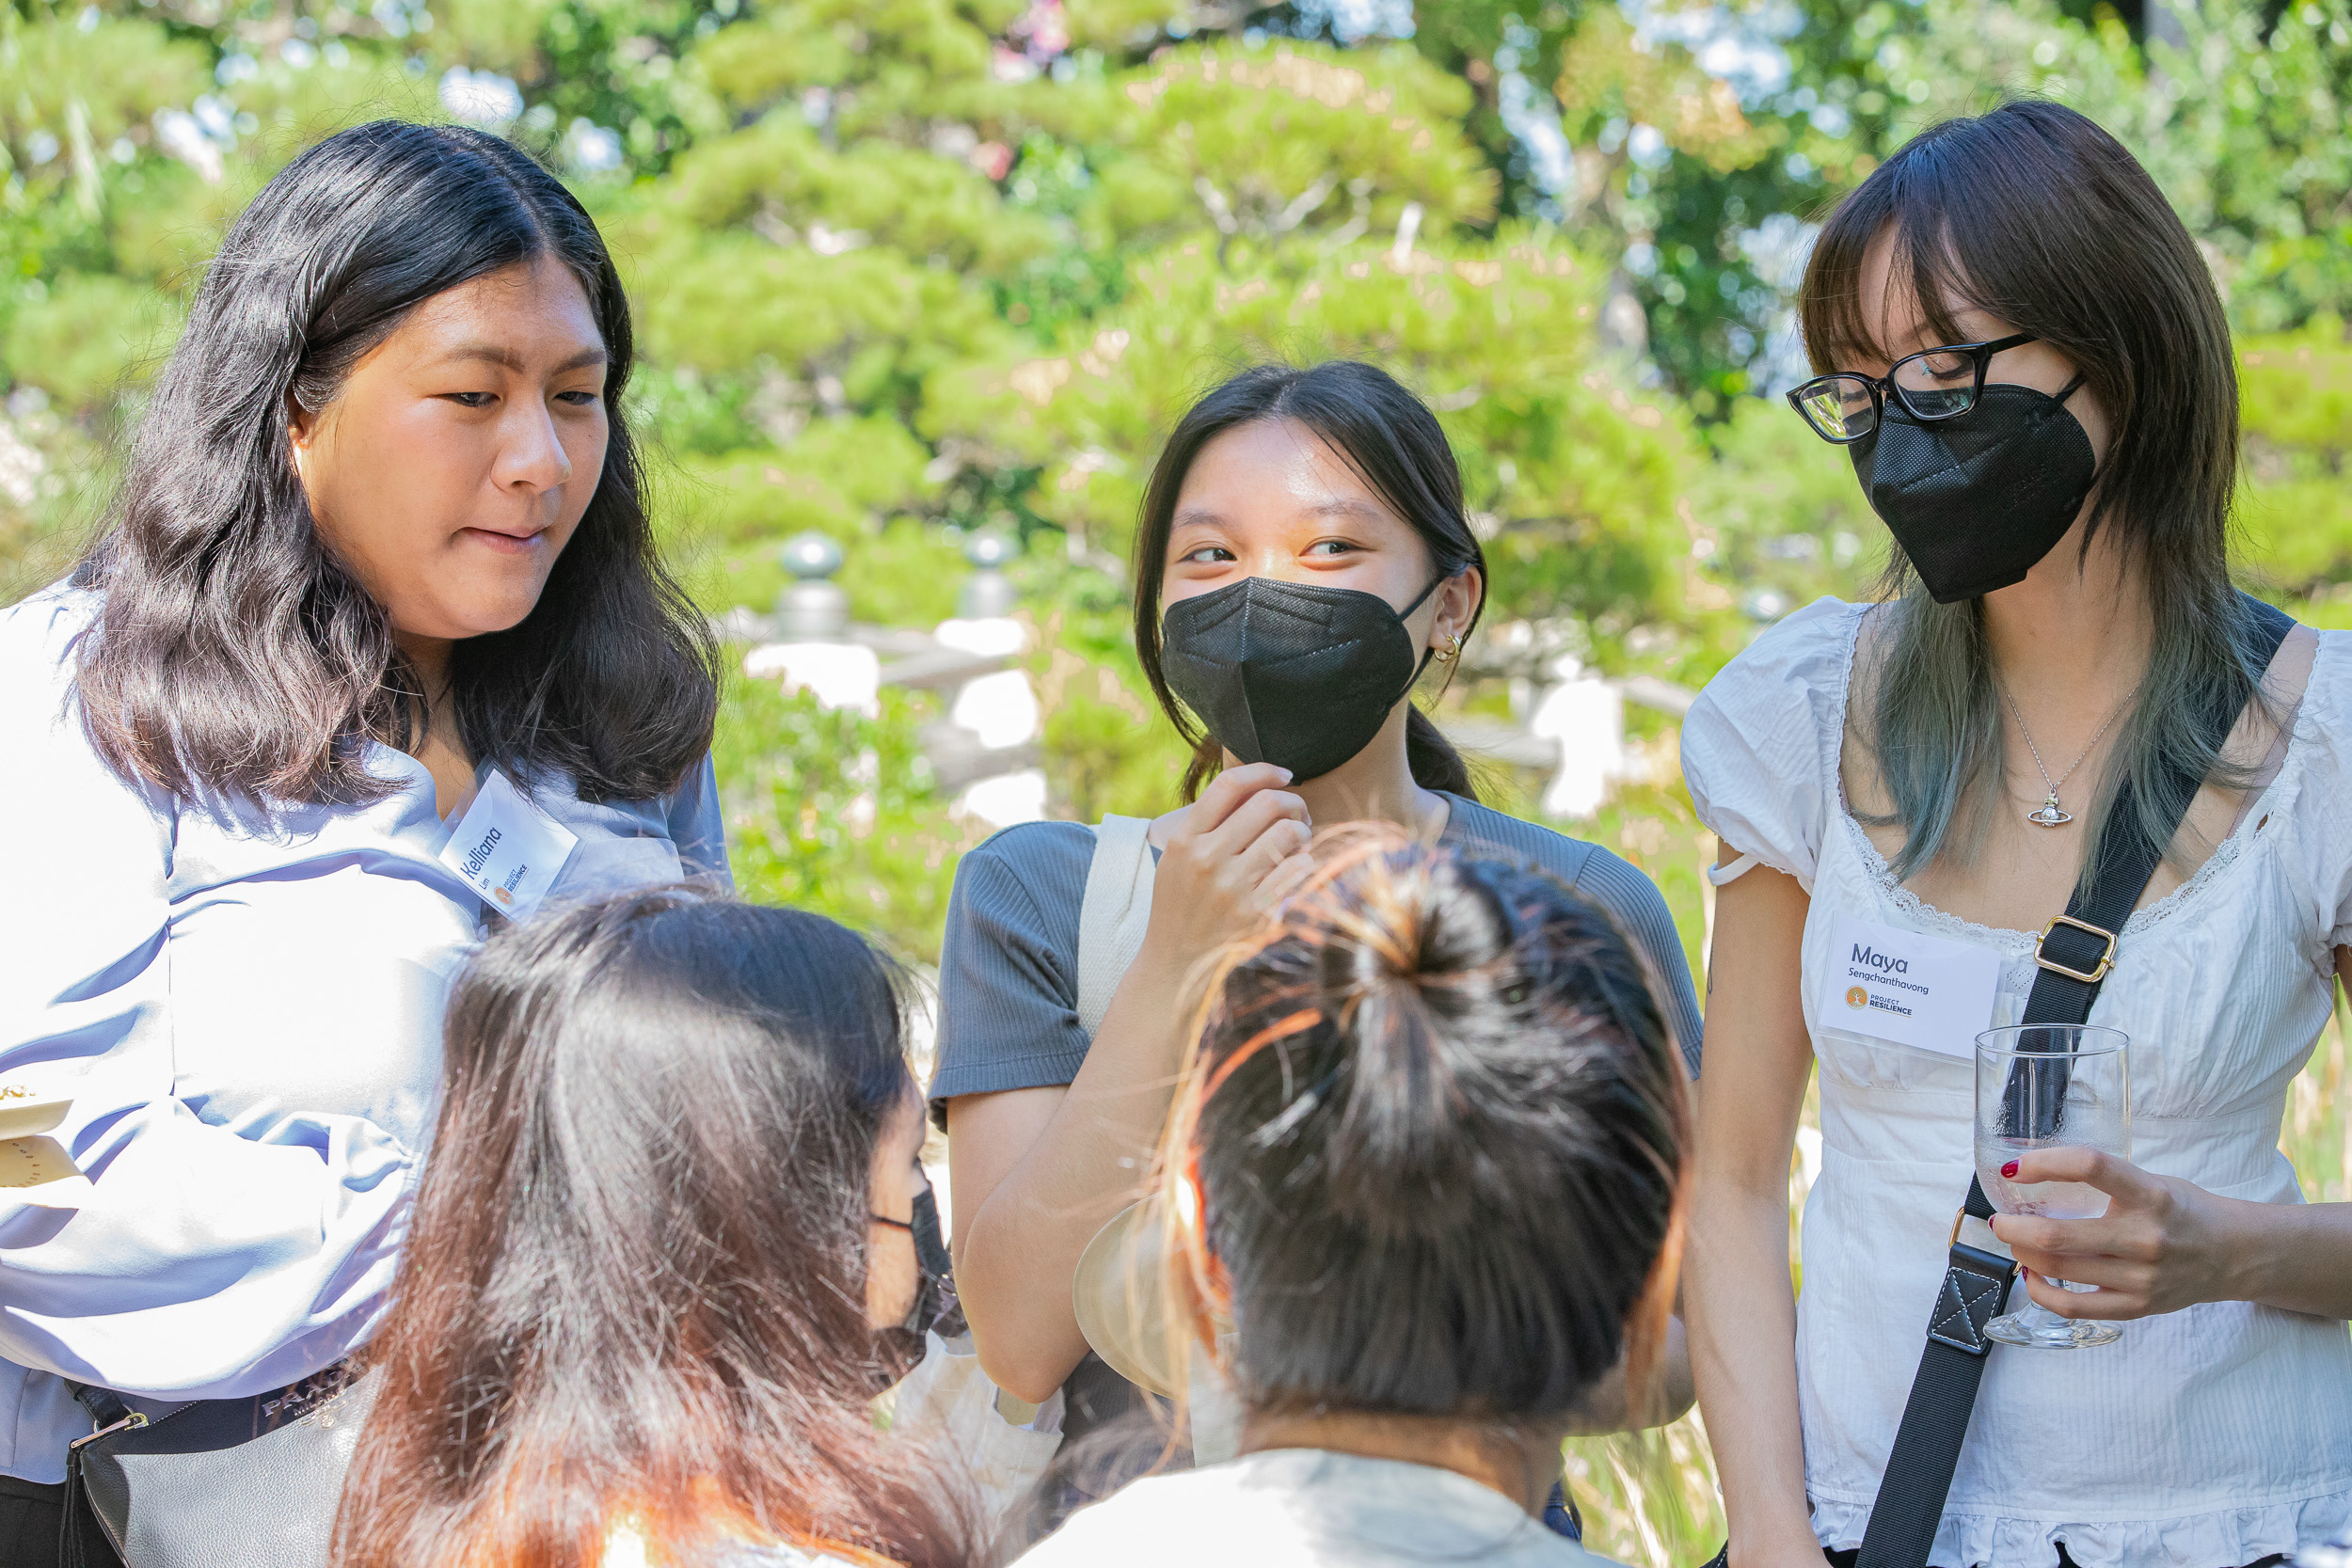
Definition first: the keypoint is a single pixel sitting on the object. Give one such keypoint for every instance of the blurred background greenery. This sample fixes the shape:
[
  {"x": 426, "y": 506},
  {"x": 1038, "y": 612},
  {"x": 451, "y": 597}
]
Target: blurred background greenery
[{"x": 905, "y": 269}]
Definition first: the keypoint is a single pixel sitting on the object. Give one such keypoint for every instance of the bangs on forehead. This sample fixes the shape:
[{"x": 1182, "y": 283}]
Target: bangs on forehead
[
  {"x": 1922, "y": 263},
  {"x": 1341, "y": 436},
  {"x": 1335, "y": 441}
]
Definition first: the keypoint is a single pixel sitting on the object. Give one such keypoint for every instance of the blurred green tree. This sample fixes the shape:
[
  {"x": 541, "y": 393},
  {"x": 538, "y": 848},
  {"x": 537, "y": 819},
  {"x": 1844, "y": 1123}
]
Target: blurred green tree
[
  {"x": 905, "y": 268},
  {"x": 833, "y": 812}
]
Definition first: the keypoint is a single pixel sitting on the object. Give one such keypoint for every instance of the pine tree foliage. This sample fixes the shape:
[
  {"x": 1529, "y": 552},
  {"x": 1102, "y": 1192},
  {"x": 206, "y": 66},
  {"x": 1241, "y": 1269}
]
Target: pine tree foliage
[{"x": 907, "y": 268}]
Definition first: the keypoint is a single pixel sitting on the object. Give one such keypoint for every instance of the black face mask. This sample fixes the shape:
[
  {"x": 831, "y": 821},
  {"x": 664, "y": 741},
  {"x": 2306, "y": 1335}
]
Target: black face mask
[
  {"x": 937, "y": 1291},
  {"x": 1977, "y": 500},
  {"x": 935, "y": 1285},
  {"x": 1293, "y": 673}
]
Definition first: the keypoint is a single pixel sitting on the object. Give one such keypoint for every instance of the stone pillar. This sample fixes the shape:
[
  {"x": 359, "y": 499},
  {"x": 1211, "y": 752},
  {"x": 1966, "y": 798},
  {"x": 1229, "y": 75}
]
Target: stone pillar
[
  {"x": 999, "y": 709},
  {"x": 812, "y": 651},
  {"x": 1585, "y": 714}
]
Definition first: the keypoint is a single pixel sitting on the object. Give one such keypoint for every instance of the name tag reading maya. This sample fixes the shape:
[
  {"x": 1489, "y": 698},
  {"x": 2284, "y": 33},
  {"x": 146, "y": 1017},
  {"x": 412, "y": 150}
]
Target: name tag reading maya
[
  {"x": 508, "y": 848},
  {"x": 1909, "y": 988}
]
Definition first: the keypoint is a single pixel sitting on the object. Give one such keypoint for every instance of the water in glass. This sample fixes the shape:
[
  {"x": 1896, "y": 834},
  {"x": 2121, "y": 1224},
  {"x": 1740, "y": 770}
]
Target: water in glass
[{"x": 2043, "y": 1087}]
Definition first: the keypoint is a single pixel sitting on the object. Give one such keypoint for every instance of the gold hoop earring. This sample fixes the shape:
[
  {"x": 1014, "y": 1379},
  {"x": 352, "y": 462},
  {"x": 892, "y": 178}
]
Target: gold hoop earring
[{"x": 1451, "y": 650}]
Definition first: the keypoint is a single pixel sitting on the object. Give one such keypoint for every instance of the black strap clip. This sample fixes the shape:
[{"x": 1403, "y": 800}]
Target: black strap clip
[{"x": 1975, "y": 1287}]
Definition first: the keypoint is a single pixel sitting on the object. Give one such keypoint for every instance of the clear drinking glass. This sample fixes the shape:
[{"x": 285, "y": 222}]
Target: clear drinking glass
[{"x": 2050, "y": 1085}]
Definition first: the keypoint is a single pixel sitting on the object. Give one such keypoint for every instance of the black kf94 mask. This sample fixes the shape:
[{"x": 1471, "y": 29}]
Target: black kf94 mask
[
  {"x": 1977, "y": 499},
  {"x": 1298, "y": 675}
]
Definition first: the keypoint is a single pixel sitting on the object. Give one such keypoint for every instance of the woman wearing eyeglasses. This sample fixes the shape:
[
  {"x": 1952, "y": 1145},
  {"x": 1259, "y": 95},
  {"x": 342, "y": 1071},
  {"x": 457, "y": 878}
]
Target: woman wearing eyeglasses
[{"x": 2022, "y": 352}]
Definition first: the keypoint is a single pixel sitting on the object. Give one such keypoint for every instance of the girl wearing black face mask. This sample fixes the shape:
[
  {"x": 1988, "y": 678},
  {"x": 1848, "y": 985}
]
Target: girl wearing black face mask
[
  {"x": 1303, "y": 558},
  {"x": 665, "y": 1246},
  {"x": 2022, "y": 349}
]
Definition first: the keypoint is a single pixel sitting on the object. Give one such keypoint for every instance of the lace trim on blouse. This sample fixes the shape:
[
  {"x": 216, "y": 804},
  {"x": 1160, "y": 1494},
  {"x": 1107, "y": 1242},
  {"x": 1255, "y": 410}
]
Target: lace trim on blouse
[{"x": 2234, "y": 1535}]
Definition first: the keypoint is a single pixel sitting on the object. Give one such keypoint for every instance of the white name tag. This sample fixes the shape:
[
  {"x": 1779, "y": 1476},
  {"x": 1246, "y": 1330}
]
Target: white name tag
[
  {"x": 39, "y": 1172},
  {"x": 508, "y": 848},
  {"x": 1909, "y": 988}
]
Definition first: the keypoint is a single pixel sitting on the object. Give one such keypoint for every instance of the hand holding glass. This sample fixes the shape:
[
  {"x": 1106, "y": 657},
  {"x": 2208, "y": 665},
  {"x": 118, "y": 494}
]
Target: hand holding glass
[{"x": 2050, "y": 1085}]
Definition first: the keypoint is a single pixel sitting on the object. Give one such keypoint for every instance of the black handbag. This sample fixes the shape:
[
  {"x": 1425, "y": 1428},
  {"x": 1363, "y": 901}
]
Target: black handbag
[
  {"x": 255, "y": 1481},
  {"x": 2072, "y": 959}
]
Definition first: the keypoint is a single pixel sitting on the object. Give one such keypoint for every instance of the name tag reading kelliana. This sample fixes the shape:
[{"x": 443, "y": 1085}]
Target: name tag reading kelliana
[
  {"x": 508, "y": 848},
  {"x": 1909, "y": 988}
]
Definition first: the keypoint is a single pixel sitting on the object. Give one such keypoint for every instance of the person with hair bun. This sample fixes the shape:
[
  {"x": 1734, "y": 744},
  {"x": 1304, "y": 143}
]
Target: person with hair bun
[
  {"x": 376, "y": 648},
  {"x": 1426, "y": 1159},
  {"x": 1303, "y": 558}
]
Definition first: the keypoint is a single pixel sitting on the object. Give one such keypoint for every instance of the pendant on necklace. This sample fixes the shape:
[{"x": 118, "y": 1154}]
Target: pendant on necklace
[{"x": 2049, "y": 815}]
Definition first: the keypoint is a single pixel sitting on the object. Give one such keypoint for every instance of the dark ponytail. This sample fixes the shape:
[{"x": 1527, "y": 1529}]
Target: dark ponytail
[
  {"x": 1435, "y": 762},
  {"x": 1389, "y": 438},
  {"x": 1439, "y": 1128}
]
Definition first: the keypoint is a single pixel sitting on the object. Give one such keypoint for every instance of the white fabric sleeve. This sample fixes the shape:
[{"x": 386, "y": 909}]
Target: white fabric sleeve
[
  {"x": 946, "y": 1402},
  {"x": 1760, "y": 747},
  {"x": 2322, "y": 747},
  {"x": 208, "y": 1260}
]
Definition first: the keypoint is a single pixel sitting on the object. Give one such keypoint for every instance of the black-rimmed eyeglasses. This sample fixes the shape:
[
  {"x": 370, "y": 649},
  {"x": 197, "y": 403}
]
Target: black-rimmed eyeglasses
[{"x": 1933, "y": 384}]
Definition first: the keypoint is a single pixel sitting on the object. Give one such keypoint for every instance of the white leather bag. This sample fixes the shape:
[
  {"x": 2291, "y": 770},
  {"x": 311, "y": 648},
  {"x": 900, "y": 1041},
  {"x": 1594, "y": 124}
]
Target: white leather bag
[
  {"x": 1118, "y": 1291},
  {"x": 1115, "y": 913}
]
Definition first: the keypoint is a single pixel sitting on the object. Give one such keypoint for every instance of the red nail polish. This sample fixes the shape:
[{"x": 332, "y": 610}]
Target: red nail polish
[{"x": 2010, "y": 1169}]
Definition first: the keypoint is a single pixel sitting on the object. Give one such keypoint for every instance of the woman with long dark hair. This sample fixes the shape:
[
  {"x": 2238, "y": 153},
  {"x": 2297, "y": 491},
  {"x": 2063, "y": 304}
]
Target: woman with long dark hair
[
  {"x": 375, "y": 648},
  {"x": 1304, "y": 557},
  {"x": 1425, "y": 1160},
  {"x": 2022, "y": 348},
  {"x": 660, "y": 1251}
]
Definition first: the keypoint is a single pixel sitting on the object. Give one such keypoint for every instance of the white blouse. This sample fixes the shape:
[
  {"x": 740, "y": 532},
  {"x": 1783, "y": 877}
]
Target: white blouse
[
  {"x": 2204, "y": 1439},
  {"x": 245, "y": 1006}
]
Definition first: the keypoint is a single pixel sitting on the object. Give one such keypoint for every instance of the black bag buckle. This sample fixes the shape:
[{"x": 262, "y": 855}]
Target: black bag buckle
[
  {"x": 2090, "y": 976},
  {"x": 1975, "y": 1287}
]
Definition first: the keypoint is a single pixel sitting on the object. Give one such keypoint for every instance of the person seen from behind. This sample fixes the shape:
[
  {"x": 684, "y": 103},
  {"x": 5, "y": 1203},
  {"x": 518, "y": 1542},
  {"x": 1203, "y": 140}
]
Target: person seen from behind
[
  {"x": 664, "y": 1253},
  {"x": 1425, "y": 1161}
]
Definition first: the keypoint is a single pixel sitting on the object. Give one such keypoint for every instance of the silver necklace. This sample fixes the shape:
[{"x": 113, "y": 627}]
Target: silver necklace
[{"x": 2049, "y": 815}]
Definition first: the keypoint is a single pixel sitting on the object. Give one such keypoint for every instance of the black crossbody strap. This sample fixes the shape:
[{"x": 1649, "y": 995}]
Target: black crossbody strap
[
  {"x": 105, "y": 1406},
  {"x": 2074, "y": 956}
]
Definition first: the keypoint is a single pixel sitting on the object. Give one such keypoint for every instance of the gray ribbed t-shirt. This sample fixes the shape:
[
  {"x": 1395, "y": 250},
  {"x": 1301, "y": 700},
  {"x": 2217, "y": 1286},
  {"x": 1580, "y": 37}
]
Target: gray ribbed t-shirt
[{"x": 1009, "y": 973}]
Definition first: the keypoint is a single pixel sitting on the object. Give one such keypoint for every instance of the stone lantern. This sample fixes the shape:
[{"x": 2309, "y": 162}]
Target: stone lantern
[
  {"x": 812, "y": 650},
  {"x": 813, "y": 609}
]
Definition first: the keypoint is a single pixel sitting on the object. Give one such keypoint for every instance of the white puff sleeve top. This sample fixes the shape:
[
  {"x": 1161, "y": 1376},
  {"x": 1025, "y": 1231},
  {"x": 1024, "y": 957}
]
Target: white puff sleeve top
[
  {"x": 2206, "y": 1438},
  {"x": 246, "y": 1005}
]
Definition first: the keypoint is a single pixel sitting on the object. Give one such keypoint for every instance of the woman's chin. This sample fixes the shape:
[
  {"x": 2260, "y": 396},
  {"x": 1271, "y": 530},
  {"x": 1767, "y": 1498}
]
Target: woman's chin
[
  {"x": 505, "y": 602},
  {"x": 458, "y": 624},
  {"x": 505, "y": 620}
]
